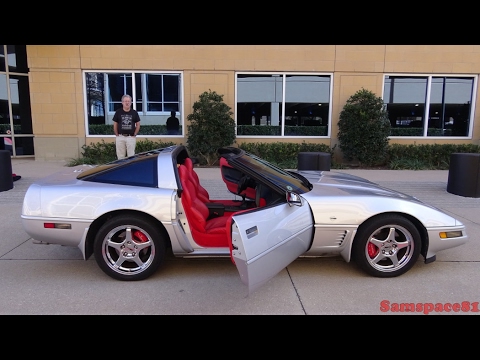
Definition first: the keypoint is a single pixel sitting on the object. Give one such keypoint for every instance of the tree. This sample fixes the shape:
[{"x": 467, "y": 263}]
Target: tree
[
  {"x": 364, "y": 128},
  {"x": 211, "y": 127}
]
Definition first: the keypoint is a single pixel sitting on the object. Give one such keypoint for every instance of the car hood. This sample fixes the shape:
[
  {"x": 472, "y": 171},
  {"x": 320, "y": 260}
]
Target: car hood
[
  {"x": 331, "y": 183},
  {"x": 338, "y": 198}
]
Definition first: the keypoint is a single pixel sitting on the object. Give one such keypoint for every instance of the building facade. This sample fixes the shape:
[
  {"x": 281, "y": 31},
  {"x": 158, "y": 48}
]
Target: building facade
[{"x": 57, "y": 98}]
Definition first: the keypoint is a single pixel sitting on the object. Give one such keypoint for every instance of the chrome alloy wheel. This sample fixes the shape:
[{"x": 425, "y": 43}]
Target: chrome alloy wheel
[
  {"x": 128, "y": 250},
  {"x": 389, "y": 248},
  {"x": 387, "y": 245}
]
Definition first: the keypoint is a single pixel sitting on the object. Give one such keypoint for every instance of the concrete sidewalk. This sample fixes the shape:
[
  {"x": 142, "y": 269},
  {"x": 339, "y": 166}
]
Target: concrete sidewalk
[{"x": 51, "y": 279}]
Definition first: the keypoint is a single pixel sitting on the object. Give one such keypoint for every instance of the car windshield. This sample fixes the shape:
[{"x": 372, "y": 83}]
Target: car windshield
[{"x": 279, "y": 177}]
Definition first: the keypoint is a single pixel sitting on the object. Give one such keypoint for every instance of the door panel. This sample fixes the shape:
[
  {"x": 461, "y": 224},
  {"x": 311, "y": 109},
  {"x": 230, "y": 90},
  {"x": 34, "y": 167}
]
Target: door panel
[{"x": 265, "y": 241}]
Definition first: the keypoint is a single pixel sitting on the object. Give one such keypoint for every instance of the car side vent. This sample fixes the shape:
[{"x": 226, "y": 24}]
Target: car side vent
[{"x": 341, "y": 238}]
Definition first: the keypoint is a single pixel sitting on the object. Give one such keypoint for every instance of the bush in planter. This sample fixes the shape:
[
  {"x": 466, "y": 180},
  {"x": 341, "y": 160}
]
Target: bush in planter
[
  {"x": 211, "y": 127},
  {"x": 364, "y": 128}
]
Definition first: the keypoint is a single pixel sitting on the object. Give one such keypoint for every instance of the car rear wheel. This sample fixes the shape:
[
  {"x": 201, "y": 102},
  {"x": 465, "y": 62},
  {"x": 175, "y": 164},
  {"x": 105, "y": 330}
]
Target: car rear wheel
[
  {"x": 129, "y": 248},
  {"x": 386, "y": 246}
]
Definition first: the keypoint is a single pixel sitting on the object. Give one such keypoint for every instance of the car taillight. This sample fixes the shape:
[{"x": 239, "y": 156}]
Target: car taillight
[{"x": 56, "y": 226}]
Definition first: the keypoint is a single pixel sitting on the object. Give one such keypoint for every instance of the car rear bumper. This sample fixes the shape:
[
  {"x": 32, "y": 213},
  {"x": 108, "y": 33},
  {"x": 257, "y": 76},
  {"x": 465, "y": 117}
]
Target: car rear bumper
[{"x": 64, "y": 232}]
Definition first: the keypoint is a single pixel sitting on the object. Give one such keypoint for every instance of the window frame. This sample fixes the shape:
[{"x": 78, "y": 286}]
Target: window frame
[
  {"x": 108, "y": 114},
  {"x": 16, "y": 104},
  {"x": 284, "y": 75},
  {"x": 428, "y": 104}
]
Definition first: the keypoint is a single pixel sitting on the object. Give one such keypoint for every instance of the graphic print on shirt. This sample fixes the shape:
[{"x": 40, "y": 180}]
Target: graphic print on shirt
[{"x": 127, "y": 121}]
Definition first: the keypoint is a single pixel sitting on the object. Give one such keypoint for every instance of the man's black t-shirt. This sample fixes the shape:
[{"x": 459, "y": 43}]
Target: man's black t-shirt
[{"x": 126, "y": 121}]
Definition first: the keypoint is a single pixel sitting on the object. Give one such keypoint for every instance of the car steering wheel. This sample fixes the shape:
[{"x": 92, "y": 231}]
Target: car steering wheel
[
  {"x": 258, "y": 191},
  {"x": 242, "y": 184}
]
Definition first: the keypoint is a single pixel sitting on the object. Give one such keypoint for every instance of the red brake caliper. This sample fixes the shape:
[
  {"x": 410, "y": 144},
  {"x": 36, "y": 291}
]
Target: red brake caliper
[
  {"x": 372, "y": 250},
  {"x": 139, "y": 236}
]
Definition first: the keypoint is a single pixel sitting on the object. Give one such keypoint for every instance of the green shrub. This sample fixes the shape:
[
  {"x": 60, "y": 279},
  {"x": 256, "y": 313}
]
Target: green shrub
[
  {"x": 415, "y": 131},
  {"x": 99, "y": 153},
  {"x": 265, "y": 130},
  {"x": 103, "y": 152},
  {"x": 268, "y": 130},
  {"x": 211, "y": 127},
  {"x": 432, "y": 156},
  {"x": 284, "y": 155},
  {"x": 103, "y": 129},
  {"x": 363, "y": 129},
  {"x": 407, "y": 164},
  {"x": 5, "y": 127}
]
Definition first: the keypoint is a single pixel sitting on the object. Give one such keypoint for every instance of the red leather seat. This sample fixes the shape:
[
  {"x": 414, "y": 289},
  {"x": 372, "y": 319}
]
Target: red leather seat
[
  {"x": 202, "y": 193},
  {"x": 206, "y": 232}
]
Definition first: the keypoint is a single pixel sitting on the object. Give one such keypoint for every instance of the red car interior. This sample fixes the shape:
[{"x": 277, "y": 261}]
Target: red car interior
[
  {"x": 206, "y": 230},
  {"x": 232, "y": 184},
  {"x": 202, "y": 193},
  {"x": 210, "y": 219}
]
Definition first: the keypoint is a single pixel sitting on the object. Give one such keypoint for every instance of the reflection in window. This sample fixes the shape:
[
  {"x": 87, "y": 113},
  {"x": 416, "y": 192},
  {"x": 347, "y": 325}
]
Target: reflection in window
[
  {"x": 450, "y": 106},
  {"x": 307, "y": 100},
  {"x": 15, "y": 109},
  {"x": 154, "y": 95},
  {"x": 2, "y": 58},
  {"x": 17, "y": 58},
  {"x": 154, "y": 92},
  {"x": 283, "y": 104},
  {"x": 20, "y": 100},
  {"x": 4, "y": 111},
  {"x": 118, "y": 85},
  {"x": 429, "y": 105}
]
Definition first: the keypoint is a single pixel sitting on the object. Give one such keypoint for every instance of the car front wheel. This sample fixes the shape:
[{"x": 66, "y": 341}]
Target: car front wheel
[
  {"x": 129, "y": 248},
  {"x": 386, "y": 246}
]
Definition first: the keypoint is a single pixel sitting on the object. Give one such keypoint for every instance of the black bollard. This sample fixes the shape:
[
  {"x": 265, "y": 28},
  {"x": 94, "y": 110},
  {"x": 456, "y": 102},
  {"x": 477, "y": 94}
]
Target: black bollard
[
  {"x": 314, "y": 161},
  {"x": 464, "y": 174},
  {"x": 6, "y": 178}
]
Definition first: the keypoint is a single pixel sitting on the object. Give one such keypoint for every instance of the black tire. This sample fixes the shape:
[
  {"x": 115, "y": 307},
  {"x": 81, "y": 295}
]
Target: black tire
[
  {"x": 129, "y": 248},
  {"x": 386, "y": 246}
]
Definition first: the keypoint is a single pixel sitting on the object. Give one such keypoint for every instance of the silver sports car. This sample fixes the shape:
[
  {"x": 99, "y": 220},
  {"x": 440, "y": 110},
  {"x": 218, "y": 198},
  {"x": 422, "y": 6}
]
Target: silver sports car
[{"x": 130, "y": 212}]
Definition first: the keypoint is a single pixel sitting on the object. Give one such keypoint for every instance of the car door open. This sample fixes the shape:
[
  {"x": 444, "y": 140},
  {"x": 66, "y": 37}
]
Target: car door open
[{"x": 266, "y": 240}]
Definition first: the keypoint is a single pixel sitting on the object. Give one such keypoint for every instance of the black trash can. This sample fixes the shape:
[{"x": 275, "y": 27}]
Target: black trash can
[
  {"x": 464, "y": 174},
  {"x": 314, "y": 161},
  {"x": 6, "y": 178}
]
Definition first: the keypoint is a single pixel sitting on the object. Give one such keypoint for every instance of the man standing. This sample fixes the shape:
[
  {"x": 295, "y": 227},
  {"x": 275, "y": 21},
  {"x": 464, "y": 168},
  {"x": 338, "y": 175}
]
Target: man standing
[{"x": 126, "y": 125}]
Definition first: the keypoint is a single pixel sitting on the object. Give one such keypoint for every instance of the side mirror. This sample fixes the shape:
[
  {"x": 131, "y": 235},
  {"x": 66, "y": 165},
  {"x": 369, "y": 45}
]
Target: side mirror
[{"x": 293, "y": 199}]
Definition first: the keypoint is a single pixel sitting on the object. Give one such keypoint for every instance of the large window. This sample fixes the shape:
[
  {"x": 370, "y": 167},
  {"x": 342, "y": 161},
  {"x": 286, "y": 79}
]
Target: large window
[
  {"x": 283, "y": 104},
  {"x": 430, "y": 105},
  {"x": 16, "y": 132},
  {"x": 155, "y": 96}
]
